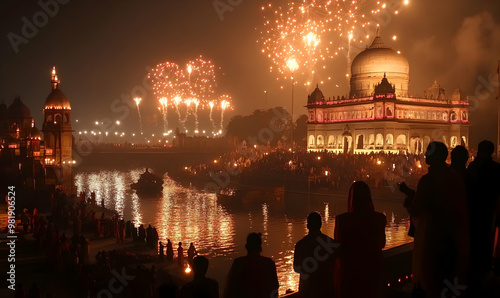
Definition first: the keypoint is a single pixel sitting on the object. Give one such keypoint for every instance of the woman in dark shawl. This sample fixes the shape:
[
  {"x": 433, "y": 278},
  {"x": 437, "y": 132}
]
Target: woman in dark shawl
[{"x": 361, "y": 233}]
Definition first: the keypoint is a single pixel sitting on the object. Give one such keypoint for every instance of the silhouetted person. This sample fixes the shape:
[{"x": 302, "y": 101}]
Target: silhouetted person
[
  {"x": 128, "y": 229},
  {"x": 314, "y": 259},
  {"x": 483, "y": 188},
  {"x": 167, "y": 290},
  {"x": 191, "y": 253},
  {"x": 162, "y": 250},
  {"x": 201, "y": 286},
  {"x": 361, "y": 233},
  {"x": 439, "y": 212},
  {"x": 149, "y": 236},
  {"x": 252, "y": 276},
  {"x": 459, "y": 158},
  {"x": 170, "y": 251},
  {"x": 180, "y": 255},
  {"x": 142, "y": 234}
]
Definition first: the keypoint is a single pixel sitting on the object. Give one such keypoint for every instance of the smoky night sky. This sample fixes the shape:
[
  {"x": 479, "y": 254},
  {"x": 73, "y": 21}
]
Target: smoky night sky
[{"x": 103, "y": 49}]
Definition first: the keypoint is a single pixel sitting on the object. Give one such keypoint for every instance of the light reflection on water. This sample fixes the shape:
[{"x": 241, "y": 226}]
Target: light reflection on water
[{"x": 186, "y": 215}]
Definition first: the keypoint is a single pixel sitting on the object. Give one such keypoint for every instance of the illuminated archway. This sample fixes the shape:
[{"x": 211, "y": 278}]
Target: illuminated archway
[
  {"x": 311, "y": 140},
  {"x": 320, "y": 141}
]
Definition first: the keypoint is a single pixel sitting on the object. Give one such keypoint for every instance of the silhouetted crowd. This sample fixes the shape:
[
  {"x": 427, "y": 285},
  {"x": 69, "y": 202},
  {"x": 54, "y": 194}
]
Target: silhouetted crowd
[
  {"x": 329, "y": 170},
  {"x": 454, "y": 217},
  {"x": 454, "y": 212}
]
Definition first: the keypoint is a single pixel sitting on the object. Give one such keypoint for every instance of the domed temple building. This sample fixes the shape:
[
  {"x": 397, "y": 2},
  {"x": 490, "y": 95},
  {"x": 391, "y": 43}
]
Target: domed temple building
[
  {"x": 20, "y": 143},
  {"x": 381, "y": 115},
  {"x": 58, "y": 137},
  {"x": 27, "y": 160}
]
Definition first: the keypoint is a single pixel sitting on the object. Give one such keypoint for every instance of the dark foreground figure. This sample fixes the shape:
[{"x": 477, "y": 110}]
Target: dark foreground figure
[
  {"x": 314, "y": 259},
  {"x": 483, "y": 188},
  {"x": 252, "y": 276},
  {"x": 201, "y": 286},
  {"x": 439, "y": 212},
  {"x": 361, "y": 233}
]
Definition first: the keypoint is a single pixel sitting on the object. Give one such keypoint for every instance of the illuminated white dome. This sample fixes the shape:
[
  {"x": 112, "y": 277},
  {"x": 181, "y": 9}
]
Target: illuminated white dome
[{"x": 369, "y": 67}]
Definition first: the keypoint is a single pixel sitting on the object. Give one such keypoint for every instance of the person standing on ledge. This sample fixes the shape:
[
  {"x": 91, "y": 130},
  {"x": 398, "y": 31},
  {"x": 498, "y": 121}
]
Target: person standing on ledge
[
  {"x": 180, "y": 255},
  {"x": 252, "y": 276},
  {"x": 314, "y": 259},
  {"x": 361, "y": 233},
  {"x": 440, "y": 214},
  {"x": 170, "y": 251},
  {"x": 483, "y": 193}
]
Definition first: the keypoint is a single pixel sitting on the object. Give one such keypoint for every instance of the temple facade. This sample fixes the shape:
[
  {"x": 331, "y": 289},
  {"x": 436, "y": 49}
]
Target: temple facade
[
  {"x": 380, "y": 115},
  {"x": 58, "y": 137},
  {"x": 26, "y": 159}
]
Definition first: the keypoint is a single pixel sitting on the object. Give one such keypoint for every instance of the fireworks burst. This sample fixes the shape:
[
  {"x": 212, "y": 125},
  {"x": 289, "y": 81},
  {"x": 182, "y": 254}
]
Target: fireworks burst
[
  {"x": 225, "y": 103},
  {"x": 313, "y": 31},
  {"x": 164, "y": 110},
  {"x": 137, "y": 102},
  {"x": 187, "y": 90},
  {"x": 211, "y": 105}
]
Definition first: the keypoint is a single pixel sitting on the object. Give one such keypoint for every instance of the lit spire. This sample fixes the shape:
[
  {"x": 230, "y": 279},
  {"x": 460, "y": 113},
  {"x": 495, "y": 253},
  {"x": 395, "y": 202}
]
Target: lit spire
[{"x": 54, "y": 80}]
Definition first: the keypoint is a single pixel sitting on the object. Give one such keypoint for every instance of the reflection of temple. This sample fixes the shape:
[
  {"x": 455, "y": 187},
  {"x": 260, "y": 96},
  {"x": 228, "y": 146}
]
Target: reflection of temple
[
  {"x": 379, "y": 115},
  {"x": 26, "y": 160}
]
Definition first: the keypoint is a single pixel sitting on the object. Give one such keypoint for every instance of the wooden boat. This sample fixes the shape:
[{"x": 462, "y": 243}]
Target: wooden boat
[{"x": 148, "y": 184}]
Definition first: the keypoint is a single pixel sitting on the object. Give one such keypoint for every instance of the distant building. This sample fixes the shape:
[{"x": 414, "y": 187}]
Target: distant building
[
  {"x": 380, "y": 114},
  {"x": 58, "y": 137},
  {"x": 25, "y": 159},
  {"x": 20, "y": 146}
]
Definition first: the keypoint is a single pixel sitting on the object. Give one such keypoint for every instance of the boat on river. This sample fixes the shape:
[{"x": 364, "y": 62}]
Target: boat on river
[
  {"x": 249, "y": 196},
  {"x": 148, "y": 184}
]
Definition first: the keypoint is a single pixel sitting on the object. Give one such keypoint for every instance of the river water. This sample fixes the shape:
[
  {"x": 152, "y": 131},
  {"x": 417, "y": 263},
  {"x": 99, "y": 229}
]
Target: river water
[{"x": 184, "y": 214}]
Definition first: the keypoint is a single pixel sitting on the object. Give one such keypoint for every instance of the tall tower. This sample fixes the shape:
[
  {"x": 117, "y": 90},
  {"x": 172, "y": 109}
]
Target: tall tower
[{"x": 58, "y": 137}]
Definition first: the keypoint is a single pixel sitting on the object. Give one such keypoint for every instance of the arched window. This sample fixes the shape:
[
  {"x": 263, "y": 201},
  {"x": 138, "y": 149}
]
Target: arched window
[
  {"x": 311, "y": 116},
  {"x": 320, "y": 141},
  {"x": 311, "y": 140},
  {"x": 320, "y": 116},
  {"x": 361, "y": 142},
  {"x": 331, "y": 140},
  {"x": 371, "y": 139},
  {"x": 401, "y": 140},
  {"x": 379, "y": 140},
  {"x": 453, "y": 142},
  {"x": 58, "y": 119},
  {"x": 389, "y": 139}
]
